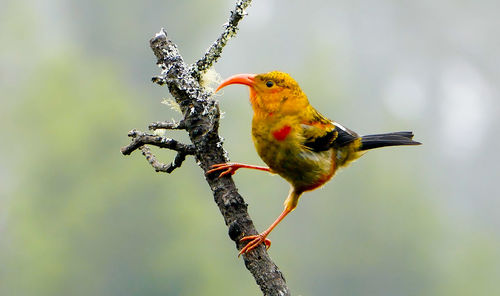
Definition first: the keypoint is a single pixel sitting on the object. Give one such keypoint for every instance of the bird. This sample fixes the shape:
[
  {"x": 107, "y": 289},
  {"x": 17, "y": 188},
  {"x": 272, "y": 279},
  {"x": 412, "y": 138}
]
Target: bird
[{"x": 296, "y": 141}]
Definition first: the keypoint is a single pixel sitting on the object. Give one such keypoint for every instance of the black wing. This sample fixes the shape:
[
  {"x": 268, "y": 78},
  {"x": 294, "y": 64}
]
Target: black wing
[
  {"x": 322, "y": 139},
  {"x": 321, "y": 143}
]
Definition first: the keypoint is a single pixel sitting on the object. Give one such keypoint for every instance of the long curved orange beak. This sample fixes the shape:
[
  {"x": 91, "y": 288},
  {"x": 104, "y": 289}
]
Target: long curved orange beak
[{"x": 246, "y": 79}]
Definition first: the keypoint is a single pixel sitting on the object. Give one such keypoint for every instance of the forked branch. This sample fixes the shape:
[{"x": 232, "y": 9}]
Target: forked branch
[{"x": 201, "y": 120}]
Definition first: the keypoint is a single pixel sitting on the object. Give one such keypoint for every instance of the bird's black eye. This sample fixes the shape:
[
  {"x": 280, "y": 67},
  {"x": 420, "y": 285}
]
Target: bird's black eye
[{"x": 269, "y": 83}]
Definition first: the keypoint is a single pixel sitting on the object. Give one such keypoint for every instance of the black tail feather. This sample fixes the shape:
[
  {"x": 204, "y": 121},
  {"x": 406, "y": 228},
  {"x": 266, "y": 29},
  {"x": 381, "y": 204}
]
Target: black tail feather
[{"x": 389, "y": 139}]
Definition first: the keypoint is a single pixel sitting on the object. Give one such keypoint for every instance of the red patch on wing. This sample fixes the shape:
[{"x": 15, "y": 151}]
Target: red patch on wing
[{"x": 282, "y": 133}]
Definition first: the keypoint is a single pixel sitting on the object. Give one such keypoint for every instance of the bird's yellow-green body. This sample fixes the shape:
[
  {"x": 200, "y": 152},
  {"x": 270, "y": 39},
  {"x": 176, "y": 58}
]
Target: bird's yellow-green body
[
  {"x": 296, "y": 141},
  {"x": 282, "y": 124}
]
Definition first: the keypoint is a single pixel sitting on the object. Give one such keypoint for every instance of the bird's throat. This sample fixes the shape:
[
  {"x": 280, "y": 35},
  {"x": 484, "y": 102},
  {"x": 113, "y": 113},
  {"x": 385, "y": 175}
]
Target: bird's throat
[{"x": 253, "y": 96}]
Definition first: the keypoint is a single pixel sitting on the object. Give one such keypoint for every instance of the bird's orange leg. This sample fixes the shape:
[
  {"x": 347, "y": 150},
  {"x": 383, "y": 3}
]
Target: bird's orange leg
[
  {"x": 231, "y": 167},
  {"x": 255, "y": 240}
]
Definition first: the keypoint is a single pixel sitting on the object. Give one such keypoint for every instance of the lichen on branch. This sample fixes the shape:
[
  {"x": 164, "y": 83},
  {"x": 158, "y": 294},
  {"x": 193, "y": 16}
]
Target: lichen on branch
[{"x": 230, "y": 28}]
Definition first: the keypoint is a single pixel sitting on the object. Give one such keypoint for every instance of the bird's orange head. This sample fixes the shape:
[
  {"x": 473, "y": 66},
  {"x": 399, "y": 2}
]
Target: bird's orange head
[{"x": 271, "y": 93}]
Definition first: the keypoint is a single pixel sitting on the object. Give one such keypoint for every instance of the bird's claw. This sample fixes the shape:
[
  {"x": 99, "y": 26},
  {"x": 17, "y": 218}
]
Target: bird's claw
[
  {"x": 255, "y": 241},
  {"x": 230, "y": 168}
]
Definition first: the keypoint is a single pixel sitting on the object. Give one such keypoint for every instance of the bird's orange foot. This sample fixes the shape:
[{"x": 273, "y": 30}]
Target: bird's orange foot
[
  {"x": 255, "y": 241},
  {"x": 227, "y": 168}
]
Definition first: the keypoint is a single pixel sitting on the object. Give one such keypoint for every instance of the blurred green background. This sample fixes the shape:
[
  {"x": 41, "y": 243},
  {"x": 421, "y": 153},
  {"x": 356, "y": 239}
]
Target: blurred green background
[{"x": 78, "y": 218}]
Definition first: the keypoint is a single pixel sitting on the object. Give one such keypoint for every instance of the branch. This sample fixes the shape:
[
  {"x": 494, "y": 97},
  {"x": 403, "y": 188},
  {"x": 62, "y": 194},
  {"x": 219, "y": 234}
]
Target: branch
[
  {"x": 230, "y": 29},
  {"x": 140, "y": 139},
  {"x": 201, "y": 121},
  {"x": 161, "y": 167},
  {"x": 167, "y": 125}
]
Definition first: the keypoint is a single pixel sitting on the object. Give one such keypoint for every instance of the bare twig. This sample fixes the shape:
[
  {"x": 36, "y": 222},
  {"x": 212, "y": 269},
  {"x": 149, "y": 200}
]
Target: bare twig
[
  {"x": 141, "y": 138},
  {"x": 161, "y": 167},
  {"x": 230, "y": 28},
  {"x": 201, "y": 120},
  {"x": 167, "y": 125}
]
